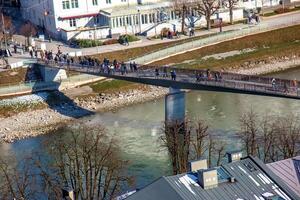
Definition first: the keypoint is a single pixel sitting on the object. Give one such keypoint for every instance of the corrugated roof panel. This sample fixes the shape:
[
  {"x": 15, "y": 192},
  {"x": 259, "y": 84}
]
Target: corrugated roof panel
[{"x": 250, "y": 183}]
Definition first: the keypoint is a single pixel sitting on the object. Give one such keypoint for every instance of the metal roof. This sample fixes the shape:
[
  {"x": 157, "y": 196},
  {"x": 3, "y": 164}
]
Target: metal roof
[
  {"x": 253, "y": 180},
  {"x": 289, "y": 171}
]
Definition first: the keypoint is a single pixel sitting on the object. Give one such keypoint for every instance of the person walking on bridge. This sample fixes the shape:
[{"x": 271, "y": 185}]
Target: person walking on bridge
[
  {"x": 273, "y": 84},
  {"x": 165, "y": 72},
  {"x": 156, "y": 73},
  {"x": 173, "y": 75}
]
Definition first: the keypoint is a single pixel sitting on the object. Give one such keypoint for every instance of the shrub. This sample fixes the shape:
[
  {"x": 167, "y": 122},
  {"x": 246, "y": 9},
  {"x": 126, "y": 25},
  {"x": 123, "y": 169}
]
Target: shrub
[
  {"x": 130, "y": 38},
  {"x": 111, "y": 41},
  {"x": 85, "y": 43},
  {"x": 281, "y": 10}
]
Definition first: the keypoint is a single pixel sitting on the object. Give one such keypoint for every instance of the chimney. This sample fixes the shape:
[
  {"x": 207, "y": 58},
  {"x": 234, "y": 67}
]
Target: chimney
[
  {"x": 208, "y": 178},
  {"x": 234, "y": 156},
  {"x": 198, "y": 165}
]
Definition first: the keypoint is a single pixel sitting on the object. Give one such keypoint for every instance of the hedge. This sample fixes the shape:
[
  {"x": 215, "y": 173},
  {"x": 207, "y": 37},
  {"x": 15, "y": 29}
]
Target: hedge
[
  {"x": 130, "y": 38},
  {"x": 84, "y": 43}
]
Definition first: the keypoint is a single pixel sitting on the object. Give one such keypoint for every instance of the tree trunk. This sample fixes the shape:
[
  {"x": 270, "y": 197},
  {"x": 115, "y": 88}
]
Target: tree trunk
[
  {"x": 183, "y": 19},
  {"x": 208, "y": 22},
  {"x": 231, "y": 15}
]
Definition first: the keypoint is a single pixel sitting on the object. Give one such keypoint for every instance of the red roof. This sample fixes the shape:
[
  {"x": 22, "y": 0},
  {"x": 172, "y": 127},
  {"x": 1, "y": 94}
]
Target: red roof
[
  {"x": 288, "y": 171},
  {"x": 79, "y": 16}
]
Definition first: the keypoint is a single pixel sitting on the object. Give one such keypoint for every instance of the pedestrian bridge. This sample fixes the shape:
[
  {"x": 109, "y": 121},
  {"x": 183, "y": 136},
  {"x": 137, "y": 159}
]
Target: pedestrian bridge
[{"x": 188, "y": 79}]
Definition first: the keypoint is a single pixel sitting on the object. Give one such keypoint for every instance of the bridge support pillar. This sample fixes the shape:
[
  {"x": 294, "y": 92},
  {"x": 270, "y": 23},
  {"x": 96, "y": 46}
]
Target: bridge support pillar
[{"x": 175, "y": 106}]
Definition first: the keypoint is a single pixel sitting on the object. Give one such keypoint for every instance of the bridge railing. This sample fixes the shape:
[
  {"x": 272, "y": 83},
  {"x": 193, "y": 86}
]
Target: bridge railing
[{"x": 226, "y": 80}]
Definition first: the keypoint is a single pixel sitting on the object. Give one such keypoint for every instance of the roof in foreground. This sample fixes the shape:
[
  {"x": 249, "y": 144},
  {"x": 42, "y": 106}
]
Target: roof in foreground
[
  {"x": 253, "y": 180},
  {"x": 289, "y": 171}
]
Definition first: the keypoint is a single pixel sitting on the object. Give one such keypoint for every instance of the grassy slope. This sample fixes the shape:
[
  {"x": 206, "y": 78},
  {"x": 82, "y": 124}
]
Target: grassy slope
[
  {"x": 13, "y": 76},
  {"x": 127, "y": 54},
  {"x": 274, "y": 43},
  {"x": 111, "y": 86}
]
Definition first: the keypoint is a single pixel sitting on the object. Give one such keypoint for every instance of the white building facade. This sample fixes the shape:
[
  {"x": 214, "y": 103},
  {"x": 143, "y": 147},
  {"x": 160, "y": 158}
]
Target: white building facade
[{"x": 99, "y": 19}]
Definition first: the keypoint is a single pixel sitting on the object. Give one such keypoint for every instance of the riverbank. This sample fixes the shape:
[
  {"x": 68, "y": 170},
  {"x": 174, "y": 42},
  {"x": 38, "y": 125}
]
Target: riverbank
[{"x": 37, "y": 122}]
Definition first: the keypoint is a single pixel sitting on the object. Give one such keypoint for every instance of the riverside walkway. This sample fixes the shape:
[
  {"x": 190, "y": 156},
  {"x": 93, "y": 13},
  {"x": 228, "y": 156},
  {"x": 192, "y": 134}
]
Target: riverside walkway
[{"x": 192, "y": 79}]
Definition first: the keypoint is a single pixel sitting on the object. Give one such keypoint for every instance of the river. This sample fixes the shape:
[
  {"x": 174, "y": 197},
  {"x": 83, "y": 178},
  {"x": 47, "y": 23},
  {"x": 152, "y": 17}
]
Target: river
[{"x": 138, "y": 127}]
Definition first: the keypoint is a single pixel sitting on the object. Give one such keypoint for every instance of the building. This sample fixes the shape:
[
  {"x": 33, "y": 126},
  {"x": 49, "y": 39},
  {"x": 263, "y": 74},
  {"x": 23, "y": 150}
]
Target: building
[
  {"x": 240, "y": 179},
  {"x": 97, "y": 19},
  {"x": 289, "y": 171}
]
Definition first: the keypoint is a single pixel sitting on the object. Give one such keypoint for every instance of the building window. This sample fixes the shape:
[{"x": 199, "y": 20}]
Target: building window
[
  {"x": 130, "y": 20},
  {"x": 117, "y": 22},
  {"x": 127, "y": 20},
  {"x": 74, "y": 3},
  {"x": 136, "y": 19},
  {"x": 146, "y": 19},
  {"x": 121, "y": 24},
  {"x": 95, "y": 2},
  {"x": 66, "y": 4},
  {"x": 108, "y": 1},
  {"x": 143, "y": 19},
  {"x": 72, "y": 22}
]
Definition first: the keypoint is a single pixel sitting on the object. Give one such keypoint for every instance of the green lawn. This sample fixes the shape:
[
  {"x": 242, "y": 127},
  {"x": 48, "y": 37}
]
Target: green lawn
[{"x": 111, "y": 86}]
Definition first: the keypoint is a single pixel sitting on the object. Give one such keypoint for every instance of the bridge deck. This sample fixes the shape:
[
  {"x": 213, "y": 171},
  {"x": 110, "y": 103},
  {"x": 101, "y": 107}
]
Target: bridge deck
[{"x": 186, "y": 79}]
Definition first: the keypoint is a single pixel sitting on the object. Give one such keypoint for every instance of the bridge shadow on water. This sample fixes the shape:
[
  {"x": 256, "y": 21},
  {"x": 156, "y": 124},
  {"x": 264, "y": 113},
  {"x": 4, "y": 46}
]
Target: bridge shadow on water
[{"x": 56, "y": 100}]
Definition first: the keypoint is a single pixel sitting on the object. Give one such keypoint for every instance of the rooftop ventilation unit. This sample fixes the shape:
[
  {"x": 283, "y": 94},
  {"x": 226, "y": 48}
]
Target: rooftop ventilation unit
[
  {"x": 208, "y": 178},
  {"x": 198, "y": 165},
  {"x": 234, "y": 156}
]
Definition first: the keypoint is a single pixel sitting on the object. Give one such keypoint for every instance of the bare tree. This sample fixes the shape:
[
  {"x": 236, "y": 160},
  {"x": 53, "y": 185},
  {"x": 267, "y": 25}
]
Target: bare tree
[
  {"x": 219, "y": 151},
  {"x": 288, "y": 133},
  {"x": 6, "y": 27},
  {"x": 249, "y": 132},
  {"x": 177, "y": 141},
  {"x": 199, "y": 139},
  {"x": 230, "y": 4},
  {"x": 181, "y": 8},
  {"x": 88, "y": 161},
  {"x": 17, "y": 181},
  {"x": 208, "y": 8},
  {"x": 28, "y": 30},
  {"x": 268, "y": 140}
]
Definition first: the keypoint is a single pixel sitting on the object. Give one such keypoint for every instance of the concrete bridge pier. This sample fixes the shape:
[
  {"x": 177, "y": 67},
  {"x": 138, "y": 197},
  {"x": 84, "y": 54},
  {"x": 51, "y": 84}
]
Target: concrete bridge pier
[{"x": 175, "y": 106}]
